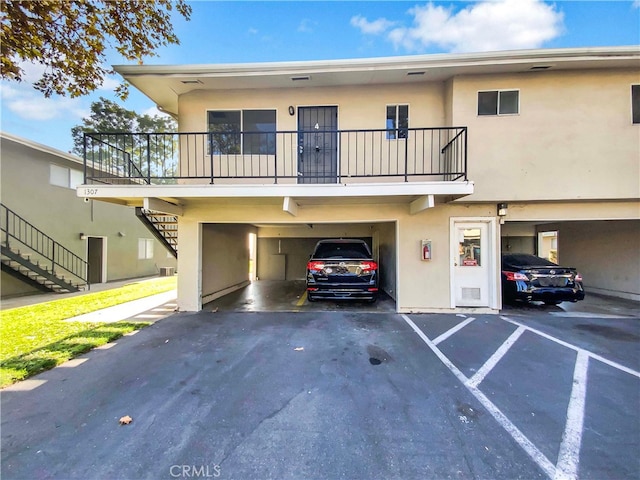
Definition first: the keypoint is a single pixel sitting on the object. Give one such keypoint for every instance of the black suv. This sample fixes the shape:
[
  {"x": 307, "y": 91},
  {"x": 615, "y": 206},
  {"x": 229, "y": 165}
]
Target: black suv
[{"x": 342, "y": 269}]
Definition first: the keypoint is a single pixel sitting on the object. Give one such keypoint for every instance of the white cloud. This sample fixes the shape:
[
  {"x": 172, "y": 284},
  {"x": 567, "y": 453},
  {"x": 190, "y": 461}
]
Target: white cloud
[
  {"x": 375, "y": 27},
  {"x": 482, "y": 26},
  {"x": 29, "y": 104},
  {"x": 110, "y": 83}
]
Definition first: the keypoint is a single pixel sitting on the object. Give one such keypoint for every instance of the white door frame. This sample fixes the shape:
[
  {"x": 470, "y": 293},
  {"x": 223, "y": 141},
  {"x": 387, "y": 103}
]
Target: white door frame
[{"x": 493, "y": 250}]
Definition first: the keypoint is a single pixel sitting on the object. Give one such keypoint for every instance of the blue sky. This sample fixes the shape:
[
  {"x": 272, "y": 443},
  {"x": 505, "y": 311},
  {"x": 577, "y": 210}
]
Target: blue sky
[{"x": 238, "y": 32}]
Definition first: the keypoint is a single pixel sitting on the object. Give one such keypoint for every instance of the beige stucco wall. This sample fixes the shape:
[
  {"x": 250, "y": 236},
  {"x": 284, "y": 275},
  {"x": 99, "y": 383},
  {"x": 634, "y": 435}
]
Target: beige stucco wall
[
  {"x": 59, "y": 213},
  {"x": 359, "y": 107},
  {"x": 573, "y": 138}
]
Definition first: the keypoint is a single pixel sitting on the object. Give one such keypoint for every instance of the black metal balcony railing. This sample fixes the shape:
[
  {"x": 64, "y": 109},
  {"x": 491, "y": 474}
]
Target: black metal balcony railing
[{"x": 336, "y": 156}]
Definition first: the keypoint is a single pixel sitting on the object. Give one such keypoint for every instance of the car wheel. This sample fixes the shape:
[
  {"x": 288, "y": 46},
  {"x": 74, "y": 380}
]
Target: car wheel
[{"x": 311, "y": 298}]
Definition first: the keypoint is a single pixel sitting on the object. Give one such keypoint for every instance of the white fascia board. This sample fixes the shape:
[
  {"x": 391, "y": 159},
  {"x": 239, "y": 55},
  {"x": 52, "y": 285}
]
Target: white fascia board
[
  {"x": 294, "y": 191},
  {"x": 400, "y": 62}
]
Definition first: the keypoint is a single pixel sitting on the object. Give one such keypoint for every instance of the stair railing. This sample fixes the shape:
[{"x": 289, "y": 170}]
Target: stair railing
[{"x": 16, "y": 229}]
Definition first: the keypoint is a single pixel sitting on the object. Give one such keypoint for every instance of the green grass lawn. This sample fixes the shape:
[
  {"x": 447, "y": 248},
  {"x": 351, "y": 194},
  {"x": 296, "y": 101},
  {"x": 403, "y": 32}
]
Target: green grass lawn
[{"x": 38, "y": 337}]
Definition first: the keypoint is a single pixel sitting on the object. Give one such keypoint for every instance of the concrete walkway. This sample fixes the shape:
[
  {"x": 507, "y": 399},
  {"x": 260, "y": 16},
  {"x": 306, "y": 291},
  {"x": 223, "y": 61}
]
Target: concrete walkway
[{"x": 149, "y": 308}]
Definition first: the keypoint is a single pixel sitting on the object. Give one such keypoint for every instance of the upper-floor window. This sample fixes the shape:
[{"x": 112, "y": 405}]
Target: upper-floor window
[
  {"x": 499, "y": 102},
  {"x": 635, "y": 103},
  {"x": 242, "y": 131},
  {"x": 65, "y": 177},
  {"x": 397, "y": 121}
]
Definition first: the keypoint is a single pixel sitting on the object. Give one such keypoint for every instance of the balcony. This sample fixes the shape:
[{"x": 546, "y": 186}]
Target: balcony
[{"x": 281, "y": 157}]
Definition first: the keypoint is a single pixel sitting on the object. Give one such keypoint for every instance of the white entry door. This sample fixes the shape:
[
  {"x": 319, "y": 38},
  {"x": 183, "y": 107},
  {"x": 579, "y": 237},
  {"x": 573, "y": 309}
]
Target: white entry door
[{"x": 470, "y": 249}]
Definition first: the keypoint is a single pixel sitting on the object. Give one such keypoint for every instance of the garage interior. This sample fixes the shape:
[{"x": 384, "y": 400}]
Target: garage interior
[
  {"x": 262, "y": 267},
  {"x": 605, "y": 252}
]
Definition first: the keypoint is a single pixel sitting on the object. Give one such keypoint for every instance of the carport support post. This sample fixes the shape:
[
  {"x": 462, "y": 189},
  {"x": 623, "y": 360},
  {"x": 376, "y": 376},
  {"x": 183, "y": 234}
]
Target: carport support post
[{"x": 190, "y": 265}]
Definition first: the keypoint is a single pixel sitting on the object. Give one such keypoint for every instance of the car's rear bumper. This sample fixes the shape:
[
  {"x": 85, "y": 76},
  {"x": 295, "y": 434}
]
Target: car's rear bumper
[
  {"x": 346, "y": 292},
  {"x": 544, "y": 294}
]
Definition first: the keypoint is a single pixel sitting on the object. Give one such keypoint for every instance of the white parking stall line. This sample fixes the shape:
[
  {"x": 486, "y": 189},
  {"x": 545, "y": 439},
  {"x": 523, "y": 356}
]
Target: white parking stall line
[
  {"x": 595, "y": 356},
  {"x": 453, "y": 330},
  {"x": 495, "y": 358},
  {"x": 569, "y": 456},
  {"x": 536, "y": 455}
]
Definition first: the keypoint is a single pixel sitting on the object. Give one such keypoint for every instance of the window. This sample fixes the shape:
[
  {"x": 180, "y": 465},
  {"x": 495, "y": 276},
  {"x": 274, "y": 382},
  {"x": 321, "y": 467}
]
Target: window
[
  {"x": 65, "y": 177},
  {"x": 250, "y": 132},
  {"x": 145, "y": 248},
  {"x": 635, "y": 103},
  {"x": 499, "y": 102},
  {"x": 397, "y": 121}
]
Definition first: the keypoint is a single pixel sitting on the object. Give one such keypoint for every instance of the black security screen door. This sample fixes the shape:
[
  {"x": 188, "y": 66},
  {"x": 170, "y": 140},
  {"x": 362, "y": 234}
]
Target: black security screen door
[{"x": 317, "y": 145}]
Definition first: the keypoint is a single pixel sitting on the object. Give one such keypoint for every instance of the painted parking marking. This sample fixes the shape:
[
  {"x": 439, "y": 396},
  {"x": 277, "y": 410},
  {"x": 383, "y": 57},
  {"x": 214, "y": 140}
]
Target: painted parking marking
[
  {"x": 569, "y": 455},
  {"x": 495, "y": 358},
  {"x": 568, "y": 461},
  {"x": 303, "y": 298},
  {"x": 453, "y": 330},
  {"x": 536, "y": 455},
  {"x": 595, "y": 356}
]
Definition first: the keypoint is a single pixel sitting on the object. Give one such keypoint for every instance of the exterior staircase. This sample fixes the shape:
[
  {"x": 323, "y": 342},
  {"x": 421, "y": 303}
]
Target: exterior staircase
[
  {"x": 33, "y": 257},
  {"x": 163, "y": 226}
]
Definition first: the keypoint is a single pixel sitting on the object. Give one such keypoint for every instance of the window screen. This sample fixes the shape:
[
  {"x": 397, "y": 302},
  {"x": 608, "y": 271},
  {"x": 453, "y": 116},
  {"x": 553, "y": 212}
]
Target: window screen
[
  {"x": 259, "y": 127},
  {"x": 225, "y": 128},
  {"x": 488, "y": 103},
  {"x": 508, "y": 102},
  {"x": 635, "y": 103},
  {"x": 397, "y": 123},
  {"x": 58, "y": 176}
]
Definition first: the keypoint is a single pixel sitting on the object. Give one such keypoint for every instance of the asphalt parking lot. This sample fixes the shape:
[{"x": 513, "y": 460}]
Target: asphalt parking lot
[{"x": 346, "y": 394}]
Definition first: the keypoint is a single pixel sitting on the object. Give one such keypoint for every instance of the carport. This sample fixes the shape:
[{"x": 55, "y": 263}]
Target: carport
[
  {"x": 272, "y": 259},
  {"x": 605, "y": 252}
]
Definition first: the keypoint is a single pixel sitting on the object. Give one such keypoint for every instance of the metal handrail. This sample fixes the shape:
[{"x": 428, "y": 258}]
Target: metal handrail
[{"x": 14, "y": 227}]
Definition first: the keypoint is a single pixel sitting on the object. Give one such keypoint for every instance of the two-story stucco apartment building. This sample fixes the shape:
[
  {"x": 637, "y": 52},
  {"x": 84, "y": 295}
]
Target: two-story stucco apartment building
[
  {"x": 44, "y": 226},
  {"x": 440, "y": 161}
]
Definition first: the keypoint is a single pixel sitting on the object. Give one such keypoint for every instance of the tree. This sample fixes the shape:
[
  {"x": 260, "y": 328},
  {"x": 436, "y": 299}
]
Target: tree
[
  {"x": 151, "y": 134},
  {"x": 70, "y": 38}
]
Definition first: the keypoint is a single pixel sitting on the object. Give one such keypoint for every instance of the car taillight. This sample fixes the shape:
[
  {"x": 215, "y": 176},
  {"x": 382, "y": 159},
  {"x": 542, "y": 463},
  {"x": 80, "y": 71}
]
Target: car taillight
[
  {"x": 577, "y": 278},
  {"x": 366, "y": 266},
  {"x": 515, "y": 276},
  {"x": 315, "y": 265}
]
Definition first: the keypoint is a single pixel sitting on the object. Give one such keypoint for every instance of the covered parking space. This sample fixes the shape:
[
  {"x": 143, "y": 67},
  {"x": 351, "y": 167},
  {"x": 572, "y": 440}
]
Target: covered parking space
[
  {"x": 600, "y": 240},
  {"x": 262, "y": 266}
]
